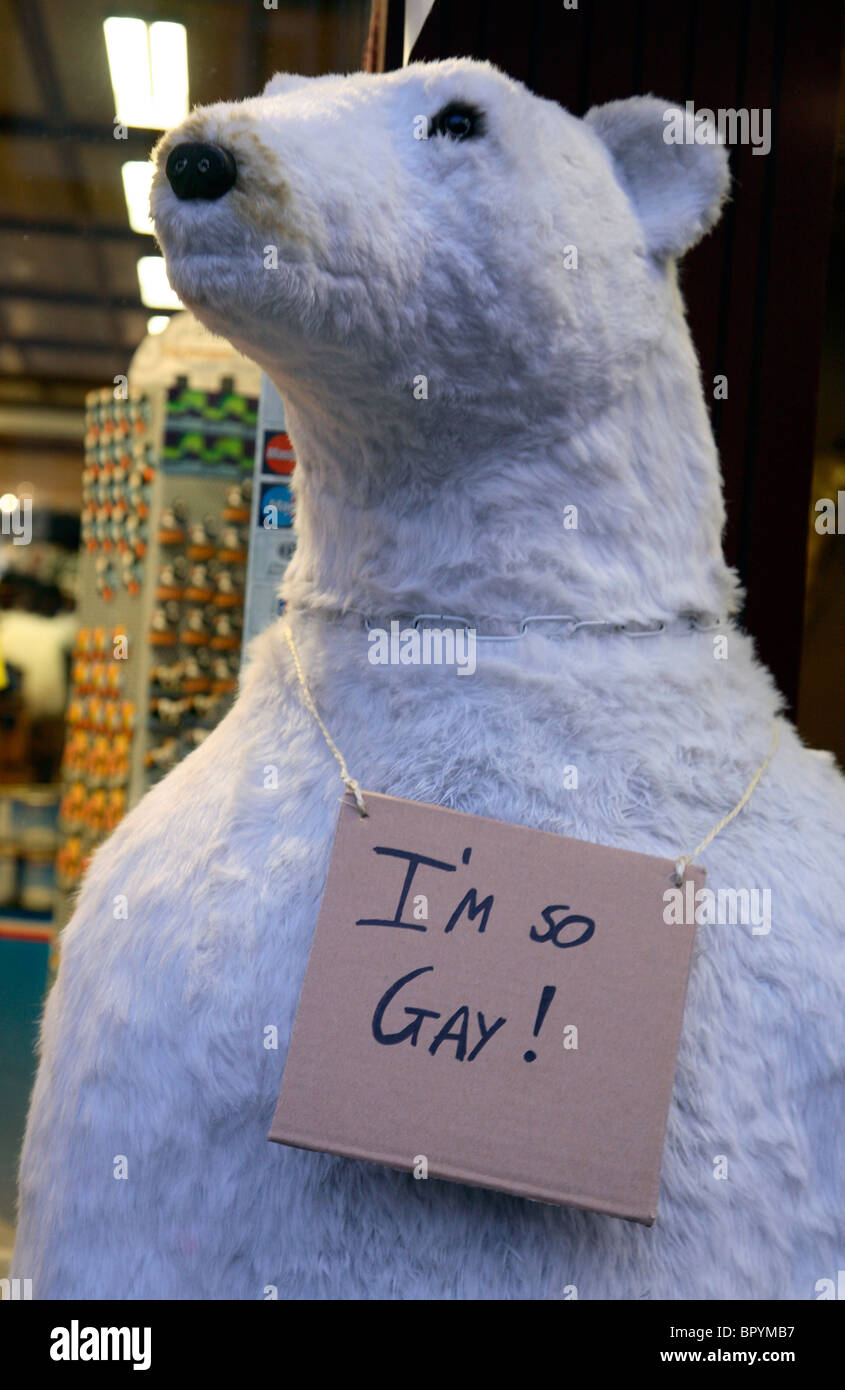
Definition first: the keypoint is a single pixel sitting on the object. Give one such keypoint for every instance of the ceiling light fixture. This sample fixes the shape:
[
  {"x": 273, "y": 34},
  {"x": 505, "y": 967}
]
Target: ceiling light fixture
[
  {"x": 169, "y": 64},
  {"x": 137, "y": 181},
  {"x": 148, "y": 64},
  {"x": 156, "y": 290}
]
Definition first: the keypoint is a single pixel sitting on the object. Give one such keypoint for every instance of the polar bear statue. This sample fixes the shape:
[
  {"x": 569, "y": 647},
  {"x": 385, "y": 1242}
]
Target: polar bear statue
[{"x": 469, "y": 300}]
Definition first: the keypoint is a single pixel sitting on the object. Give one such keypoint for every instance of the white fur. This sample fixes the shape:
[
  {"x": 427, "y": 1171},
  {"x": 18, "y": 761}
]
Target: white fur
[{"x": 547, "y": 387}]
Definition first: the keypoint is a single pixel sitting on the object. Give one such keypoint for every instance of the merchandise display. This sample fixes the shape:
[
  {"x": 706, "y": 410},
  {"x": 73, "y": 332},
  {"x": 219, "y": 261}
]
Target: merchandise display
[
  {"x": 203, "y": 538},
  {"x": 165, "y": 527},
  {"x": 28, "y": 839},
  {"x": 117, "y": 485},
  {"x": 272, "y": 542}
]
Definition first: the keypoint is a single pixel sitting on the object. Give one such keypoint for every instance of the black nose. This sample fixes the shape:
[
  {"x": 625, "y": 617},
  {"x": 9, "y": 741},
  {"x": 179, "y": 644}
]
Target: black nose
[{"x": 200, "y": 171}]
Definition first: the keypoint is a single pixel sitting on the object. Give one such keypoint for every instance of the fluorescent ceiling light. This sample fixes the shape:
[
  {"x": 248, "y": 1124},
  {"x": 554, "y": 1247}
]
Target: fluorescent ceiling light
[
  {"x": 127, "y": 47},
  {"x": 137, "y": 181},
  {"x": 156, "y": 290},
  {"x": 169, "y": 64},
  {"x": 158, "y": 323},
  {"x": 149, "y": 71}
]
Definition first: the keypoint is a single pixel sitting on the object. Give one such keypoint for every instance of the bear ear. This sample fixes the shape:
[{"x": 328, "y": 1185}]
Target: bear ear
[
  {"x": 284, "y": 82},
  {"x": 670, "y": 164}
]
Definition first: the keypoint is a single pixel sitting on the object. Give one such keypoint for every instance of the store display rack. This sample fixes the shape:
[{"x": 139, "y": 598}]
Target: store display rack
[{"x": 165, "y": 533}]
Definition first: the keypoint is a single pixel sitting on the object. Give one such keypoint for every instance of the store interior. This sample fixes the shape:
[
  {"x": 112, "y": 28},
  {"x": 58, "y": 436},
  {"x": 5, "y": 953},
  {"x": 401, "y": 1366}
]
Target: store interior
[
  {"x": 127, "y": 444},
  {"x": 135, "y": 450}
]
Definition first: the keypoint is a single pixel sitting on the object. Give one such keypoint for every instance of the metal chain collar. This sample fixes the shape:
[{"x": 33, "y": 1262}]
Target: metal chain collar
[{"x": 692, "y": 621}]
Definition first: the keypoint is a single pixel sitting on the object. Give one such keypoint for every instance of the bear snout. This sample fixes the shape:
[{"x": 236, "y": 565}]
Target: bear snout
[{"x": 197, "y": 169}]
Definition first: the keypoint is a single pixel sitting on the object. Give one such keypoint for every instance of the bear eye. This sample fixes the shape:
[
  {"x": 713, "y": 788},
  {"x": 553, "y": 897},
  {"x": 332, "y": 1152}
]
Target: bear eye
[{"x": 458, "y": 120}]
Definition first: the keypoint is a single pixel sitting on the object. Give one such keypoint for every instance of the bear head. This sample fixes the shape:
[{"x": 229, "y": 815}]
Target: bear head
[{"x": 441, "y": 222}]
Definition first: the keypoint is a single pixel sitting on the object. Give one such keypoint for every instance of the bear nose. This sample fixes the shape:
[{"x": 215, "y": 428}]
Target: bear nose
[{"x": 200, "y": 170}]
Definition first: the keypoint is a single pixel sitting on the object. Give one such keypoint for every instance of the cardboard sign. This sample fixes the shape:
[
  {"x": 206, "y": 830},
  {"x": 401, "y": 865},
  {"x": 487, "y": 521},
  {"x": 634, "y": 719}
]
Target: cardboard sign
[{"x": 490, "y": 1004}]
